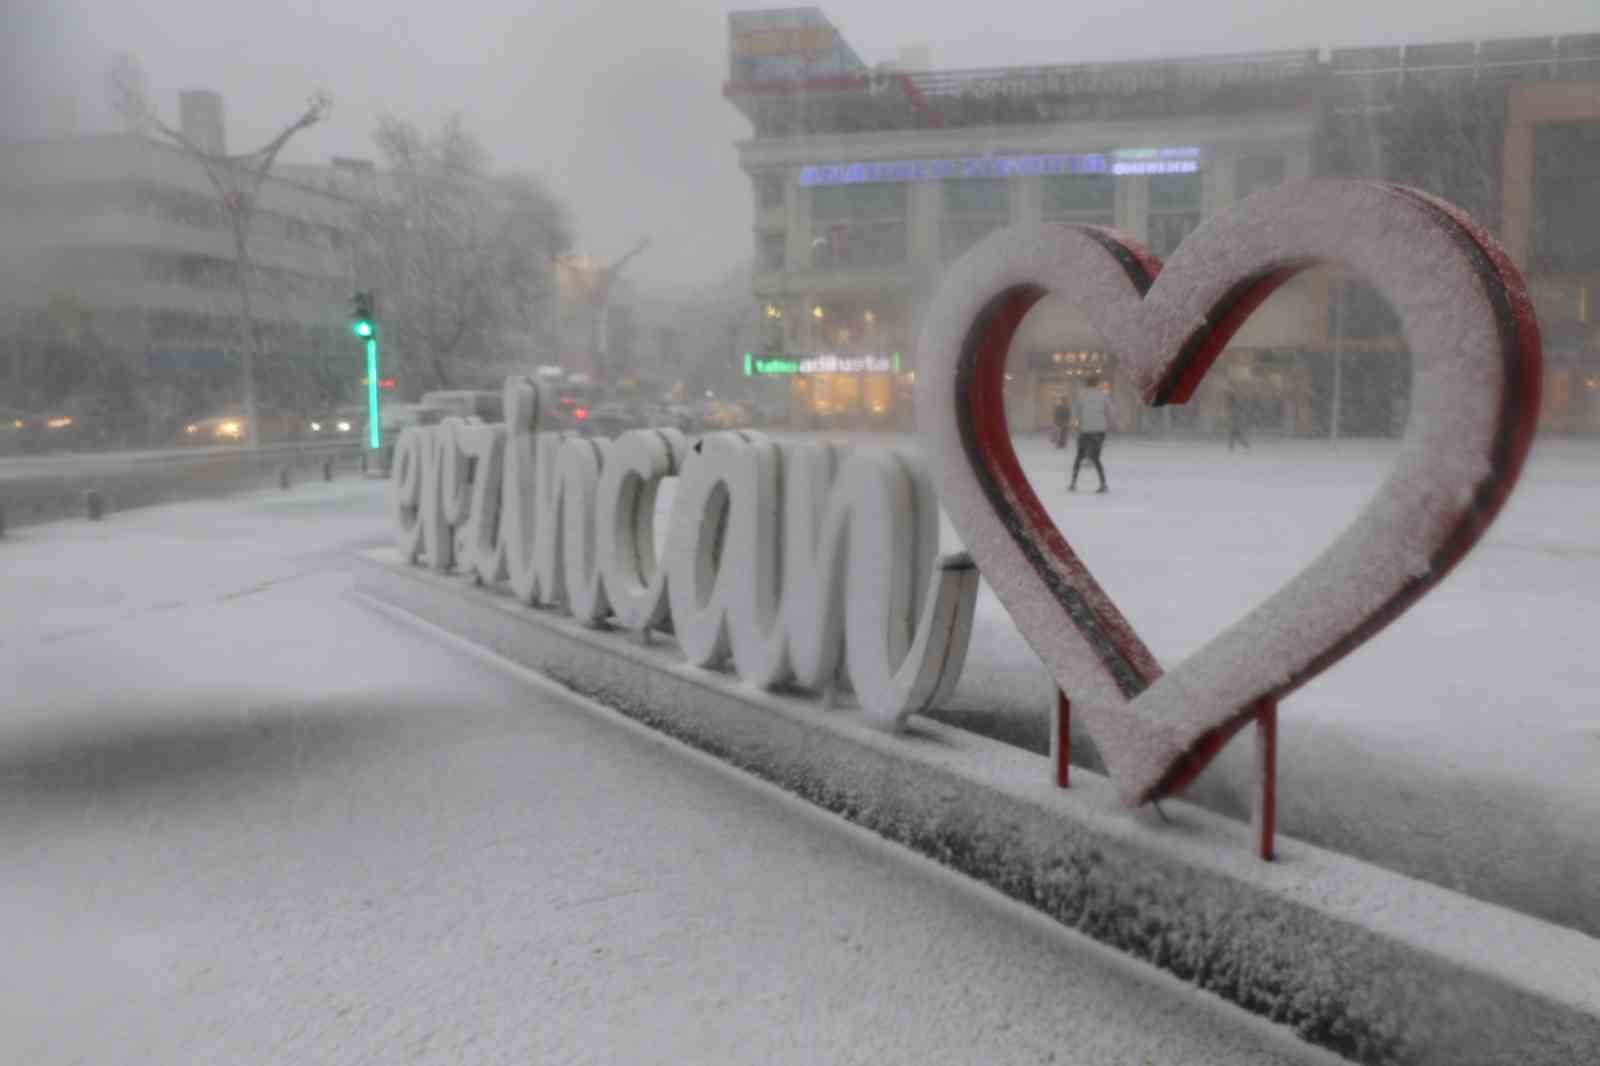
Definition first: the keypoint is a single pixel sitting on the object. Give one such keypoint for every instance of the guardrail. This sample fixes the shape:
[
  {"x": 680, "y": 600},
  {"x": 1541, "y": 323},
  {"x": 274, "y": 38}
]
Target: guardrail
[{"x": 57, "y": 487}]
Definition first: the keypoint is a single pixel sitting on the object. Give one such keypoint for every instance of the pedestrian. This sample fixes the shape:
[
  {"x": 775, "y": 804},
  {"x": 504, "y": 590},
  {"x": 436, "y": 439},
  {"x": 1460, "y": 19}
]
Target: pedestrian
[
  {"x": 1238, "y": 416},
  {"x": 1094, "y": 421},
  {"x": 1062, "y": 419}
]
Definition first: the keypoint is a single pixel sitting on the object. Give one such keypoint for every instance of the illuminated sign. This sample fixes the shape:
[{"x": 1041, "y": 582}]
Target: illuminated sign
[
  {"x": 821, "y": 364},
  {"x": 1128, "y": 161},
  {"x": 1185, "y": 160}
]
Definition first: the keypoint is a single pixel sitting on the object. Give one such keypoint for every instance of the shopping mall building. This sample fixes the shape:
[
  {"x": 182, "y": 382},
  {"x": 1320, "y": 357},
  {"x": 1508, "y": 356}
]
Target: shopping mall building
[{"x": 869, "y": 180}]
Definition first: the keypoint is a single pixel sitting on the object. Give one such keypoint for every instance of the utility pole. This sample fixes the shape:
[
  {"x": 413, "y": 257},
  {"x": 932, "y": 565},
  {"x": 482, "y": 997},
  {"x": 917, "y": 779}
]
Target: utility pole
[{"x": 602, "y": 281}]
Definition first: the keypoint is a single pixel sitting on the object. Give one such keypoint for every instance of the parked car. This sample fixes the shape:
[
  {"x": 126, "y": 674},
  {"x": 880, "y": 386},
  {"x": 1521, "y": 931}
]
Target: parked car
[
  {"x": 771, "y": 412},
  {"x": 613, "y": 418},
  {"x": 465, "y": 403},
  {"x": 681, "y": 416},
  {"x": 717, "y": 414}
]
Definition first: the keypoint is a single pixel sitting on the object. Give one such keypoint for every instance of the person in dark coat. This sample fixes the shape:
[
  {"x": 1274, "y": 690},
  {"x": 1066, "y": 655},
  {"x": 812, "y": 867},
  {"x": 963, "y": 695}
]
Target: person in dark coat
[{"x": 1238, "y": 419}]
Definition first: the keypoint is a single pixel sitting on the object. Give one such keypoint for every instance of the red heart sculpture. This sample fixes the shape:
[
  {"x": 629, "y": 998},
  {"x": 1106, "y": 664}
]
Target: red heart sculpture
[{"x": 1476, "y": 366}]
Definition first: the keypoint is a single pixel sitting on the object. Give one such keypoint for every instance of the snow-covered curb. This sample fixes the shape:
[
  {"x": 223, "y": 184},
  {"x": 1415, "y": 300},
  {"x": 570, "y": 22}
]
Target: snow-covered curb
[{"x": 1376, "y": 966}]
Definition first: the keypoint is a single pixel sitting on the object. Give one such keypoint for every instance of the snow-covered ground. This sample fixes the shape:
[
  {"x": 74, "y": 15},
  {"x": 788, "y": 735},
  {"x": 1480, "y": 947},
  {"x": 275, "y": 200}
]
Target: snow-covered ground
[
  {"x": 1495, "y": 671},
  {"x": 1461, "y": 745},
  {"x": 248, "y": 819}
]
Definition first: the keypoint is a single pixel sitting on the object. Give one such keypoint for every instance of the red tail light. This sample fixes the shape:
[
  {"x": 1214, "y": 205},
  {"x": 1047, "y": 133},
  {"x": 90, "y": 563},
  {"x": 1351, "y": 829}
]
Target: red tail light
[{"x": 580, "y": 413}]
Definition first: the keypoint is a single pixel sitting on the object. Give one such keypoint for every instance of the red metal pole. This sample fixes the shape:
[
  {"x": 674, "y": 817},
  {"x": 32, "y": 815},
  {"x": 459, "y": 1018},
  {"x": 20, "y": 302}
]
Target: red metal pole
[{"x": 1265, "y": 817}]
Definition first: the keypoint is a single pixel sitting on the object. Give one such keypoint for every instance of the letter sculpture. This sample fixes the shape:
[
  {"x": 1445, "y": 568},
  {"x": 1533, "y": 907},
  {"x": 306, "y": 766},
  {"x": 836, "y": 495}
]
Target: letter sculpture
[{"x": 797, "y": 564}]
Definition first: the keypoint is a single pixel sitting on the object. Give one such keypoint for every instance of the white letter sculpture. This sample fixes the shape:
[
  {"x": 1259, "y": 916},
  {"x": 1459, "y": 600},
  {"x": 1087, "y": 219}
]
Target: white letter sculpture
[{"x": 797, "y": 564}]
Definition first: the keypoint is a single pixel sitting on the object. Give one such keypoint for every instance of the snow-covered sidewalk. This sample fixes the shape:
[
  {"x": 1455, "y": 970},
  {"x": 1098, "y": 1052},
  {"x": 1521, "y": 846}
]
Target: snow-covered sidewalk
[
  {"x": 1461, "y": 745},
  {"x": 248, "y": 819}
]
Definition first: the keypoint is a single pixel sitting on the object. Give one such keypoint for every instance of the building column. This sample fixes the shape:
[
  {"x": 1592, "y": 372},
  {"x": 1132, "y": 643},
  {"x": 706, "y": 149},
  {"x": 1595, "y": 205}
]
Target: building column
[
  {"x": 797, "y": 206},
  {"x": 1219, "y": 184},
  {"x": 1132, "y": 206},
  {"x": 924, "y": 211},
  {"x": 1516, "y": 184},
  {"x": 1027, "y": 201}
]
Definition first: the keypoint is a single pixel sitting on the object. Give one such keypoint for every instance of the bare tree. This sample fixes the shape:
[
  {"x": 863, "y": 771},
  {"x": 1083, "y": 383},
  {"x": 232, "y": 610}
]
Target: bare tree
[
  {"x": 464, "y": 261},
  {"x": 237, "y": 180}
]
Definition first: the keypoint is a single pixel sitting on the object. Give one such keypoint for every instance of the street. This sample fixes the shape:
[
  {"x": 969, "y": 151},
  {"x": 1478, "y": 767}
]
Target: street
[{"x": 252, "y": 819}]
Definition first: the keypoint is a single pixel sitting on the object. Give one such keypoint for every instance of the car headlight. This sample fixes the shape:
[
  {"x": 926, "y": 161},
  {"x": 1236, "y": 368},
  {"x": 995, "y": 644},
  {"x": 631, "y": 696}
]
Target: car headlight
[
  {"x": 316, "y": 427},
  {"x": 344, "y": 427}
]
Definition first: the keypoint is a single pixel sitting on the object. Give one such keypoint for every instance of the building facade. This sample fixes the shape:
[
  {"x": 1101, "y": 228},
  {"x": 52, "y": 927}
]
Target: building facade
[
  {"x": 868, "y": 182},
  {"x": 130, "y": 234}
]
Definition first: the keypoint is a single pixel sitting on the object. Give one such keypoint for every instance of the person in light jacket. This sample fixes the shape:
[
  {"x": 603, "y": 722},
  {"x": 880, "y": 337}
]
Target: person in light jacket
[{"x": 1094, "y": 421}]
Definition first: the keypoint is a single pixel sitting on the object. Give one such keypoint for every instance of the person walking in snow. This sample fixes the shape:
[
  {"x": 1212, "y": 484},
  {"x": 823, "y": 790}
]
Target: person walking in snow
[
  {"x": 1238, "y": 417},
  {"x": 1062, "y": 419},
  {"x": 1094, "y": 421}
]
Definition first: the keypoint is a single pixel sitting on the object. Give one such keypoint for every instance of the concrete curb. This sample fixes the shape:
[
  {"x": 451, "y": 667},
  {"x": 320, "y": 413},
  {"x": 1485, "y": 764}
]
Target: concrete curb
[{"x": 1371, "y": 964}]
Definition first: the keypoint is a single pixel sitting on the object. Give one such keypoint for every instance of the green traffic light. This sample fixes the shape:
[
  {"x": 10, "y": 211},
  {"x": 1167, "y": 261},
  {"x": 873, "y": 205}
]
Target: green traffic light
[{"x": 362, "y": 328}]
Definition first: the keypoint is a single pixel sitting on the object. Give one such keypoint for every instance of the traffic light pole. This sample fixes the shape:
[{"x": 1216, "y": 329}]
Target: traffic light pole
[
  {"x": 374, "y": 435},
  {"x": 364, "y": 324}
]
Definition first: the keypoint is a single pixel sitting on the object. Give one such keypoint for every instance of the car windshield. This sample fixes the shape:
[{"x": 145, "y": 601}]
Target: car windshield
[{"x": 691, "y": 531}]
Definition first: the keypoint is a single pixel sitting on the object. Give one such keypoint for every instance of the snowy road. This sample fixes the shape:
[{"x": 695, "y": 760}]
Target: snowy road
[{"x": 249, "y": 819}]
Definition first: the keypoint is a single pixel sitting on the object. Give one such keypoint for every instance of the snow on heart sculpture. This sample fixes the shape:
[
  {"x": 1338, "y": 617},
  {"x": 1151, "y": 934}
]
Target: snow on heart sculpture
[{"x": 1476, "y": 365}]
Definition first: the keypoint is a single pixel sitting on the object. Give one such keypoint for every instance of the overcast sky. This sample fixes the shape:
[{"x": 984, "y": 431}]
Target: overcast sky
[{"x": 617, "y": 103}]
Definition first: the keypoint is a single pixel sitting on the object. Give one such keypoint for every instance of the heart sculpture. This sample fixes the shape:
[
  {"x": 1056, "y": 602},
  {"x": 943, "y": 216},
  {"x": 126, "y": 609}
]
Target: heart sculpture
[{"x": 1476, "y": 365}]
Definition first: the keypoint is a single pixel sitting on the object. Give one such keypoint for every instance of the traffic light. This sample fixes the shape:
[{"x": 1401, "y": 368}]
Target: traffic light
[{"x": 362, "y": 322}]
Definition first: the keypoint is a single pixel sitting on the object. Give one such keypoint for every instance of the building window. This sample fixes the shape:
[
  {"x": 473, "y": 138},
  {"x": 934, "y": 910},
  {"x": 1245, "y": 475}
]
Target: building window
[
  {"x": 179, "y": 205},
  {"x": 769, "y": 191},
  {"x": 858, "y": 226},
  {"x": 1082, "y": 199},
  {"x": 769, "y": 251},
  {"x": 837, "y": 203},
  {"x": 1174, "y": 210},
  {"x": 973, "y": 209},
  {"x": 1566, "y": 190},
  {"x": 1257, "y": 172}
]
